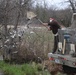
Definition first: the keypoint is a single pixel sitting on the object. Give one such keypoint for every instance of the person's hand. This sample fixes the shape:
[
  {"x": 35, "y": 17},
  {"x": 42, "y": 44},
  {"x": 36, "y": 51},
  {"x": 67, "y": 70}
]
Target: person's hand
[{"x": 49, "y": 28}]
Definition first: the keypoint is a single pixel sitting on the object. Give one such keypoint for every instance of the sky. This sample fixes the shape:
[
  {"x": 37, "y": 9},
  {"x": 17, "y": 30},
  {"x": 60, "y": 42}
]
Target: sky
[{"x": 58, "y": 3}]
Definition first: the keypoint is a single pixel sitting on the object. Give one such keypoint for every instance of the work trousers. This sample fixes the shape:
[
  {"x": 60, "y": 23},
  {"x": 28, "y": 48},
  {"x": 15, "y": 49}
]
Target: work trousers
[{"x": 55, "y": 47}]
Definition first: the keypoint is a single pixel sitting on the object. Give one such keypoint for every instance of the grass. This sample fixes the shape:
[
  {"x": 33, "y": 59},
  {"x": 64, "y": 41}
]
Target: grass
[
  {"x": 29, "y": 69},
  {"x": 9, "y": 69},
  {"x": 24, "y": 69}
]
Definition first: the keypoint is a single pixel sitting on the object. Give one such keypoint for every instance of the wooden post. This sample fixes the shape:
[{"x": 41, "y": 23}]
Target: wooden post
[{"x": 63, "y": 50}]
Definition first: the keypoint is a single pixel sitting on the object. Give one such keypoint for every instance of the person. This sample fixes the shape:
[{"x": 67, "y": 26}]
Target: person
[{"x": 54, "y": 26}]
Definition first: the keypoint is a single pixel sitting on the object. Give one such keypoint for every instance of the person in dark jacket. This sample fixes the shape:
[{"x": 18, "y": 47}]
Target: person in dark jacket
[{"x": 54, "y": 26}]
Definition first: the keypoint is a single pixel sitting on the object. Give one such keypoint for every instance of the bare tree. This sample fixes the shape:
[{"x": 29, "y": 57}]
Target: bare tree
[
  {"x": 73, "y": 5},
  {"x": 11, "y": 12},
  {"x": 22, "y": 7}
]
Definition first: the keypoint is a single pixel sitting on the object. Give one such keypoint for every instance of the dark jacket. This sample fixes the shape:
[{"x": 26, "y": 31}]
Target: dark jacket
[{"x": 54, "y": 26}]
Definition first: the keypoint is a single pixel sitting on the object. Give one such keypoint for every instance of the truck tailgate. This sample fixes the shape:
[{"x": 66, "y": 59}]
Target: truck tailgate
[{"x": 63, "y": 59}]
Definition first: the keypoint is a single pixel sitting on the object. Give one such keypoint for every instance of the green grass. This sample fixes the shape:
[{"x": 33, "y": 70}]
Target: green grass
[
  {"x": 29, "y": 69},
  {"x": 11, "y": 69},
  {"x": 24, "y": 69}
]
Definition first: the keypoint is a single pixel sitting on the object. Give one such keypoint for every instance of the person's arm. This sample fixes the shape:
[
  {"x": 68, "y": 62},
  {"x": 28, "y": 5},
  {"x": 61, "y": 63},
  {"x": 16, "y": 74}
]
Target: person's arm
[{"x": 45, "y": 24}]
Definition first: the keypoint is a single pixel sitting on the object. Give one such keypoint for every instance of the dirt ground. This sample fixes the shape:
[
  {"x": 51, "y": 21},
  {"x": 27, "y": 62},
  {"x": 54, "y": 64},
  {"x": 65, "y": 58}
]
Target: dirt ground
[{"x": 55, "y": 69}]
